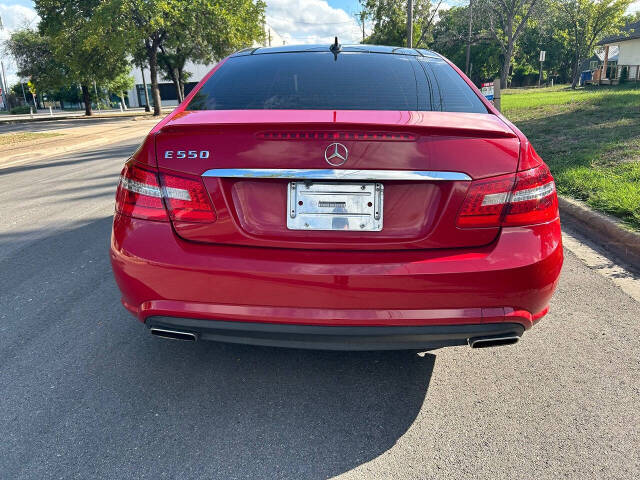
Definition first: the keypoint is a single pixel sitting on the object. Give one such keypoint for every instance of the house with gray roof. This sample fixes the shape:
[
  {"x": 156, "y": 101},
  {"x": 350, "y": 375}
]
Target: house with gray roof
[{"x": 620, "y": 55}]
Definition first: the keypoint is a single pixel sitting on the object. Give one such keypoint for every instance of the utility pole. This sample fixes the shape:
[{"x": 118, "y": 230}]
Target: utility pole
[
  {"x": 3, "y": 83},
  {"x": 410, "y": 23},
  {"x": 362, "y": 16},
  {"x": 147, "y": 108},
  {"x": 24, "y": 95},
  {"x": 4, "y": 87},
  {"x": 466, "y": 65},
  {"x": 95, "y": 89},
  {"x": 269, "y": 32}
]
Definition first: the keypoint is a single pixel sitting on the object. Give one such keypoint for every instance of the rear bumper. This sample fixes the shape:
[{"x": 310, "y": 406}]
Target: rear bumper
[
  {"x": 509, "y": 281},
  {"x": 336, "y": 338}
]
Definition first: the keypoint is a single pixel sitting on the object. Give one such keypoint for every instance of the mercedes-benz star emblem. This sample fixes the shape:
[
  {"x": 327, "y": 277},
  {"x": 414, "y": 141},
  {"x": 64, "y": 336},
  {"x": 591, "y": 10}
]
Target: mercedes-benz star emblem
[{"x": 336, "y": 154}]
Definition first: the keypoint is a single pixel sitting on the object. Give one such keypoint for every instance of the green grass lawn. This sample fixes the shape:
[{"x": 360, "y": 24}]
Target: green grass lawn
[{"x": 590, "y": 137}]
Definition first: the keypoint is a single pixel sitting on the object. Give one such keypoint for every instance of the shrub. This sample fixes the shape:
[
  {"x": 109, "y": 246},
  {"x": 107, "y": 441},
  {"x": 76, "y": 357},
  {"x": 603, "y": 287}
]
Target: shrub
[{"x": 21, "y": 110}]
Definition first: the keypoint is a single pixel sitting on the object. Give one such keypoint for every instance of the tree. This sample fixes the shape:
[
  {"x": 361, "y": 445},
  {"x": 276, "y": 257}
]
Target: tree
[
  {"x": 19, "y": 91},
  {"x": 83, "y": 42},
  {"x": 139, "y": 55},
  {"x": 173, "y": 58},
  {"x": 34, "y": 57},
  {"x": 587, "y": 22},
  {"x": 542, "y": 32},
  {"x": 450, "y": 37},
  {"x": 121, "y": 84},
  {"x": 390, "y": 21},
  {"x": 34, "y": 94},
  {"x": 164, "y": 26},
  {"x": 506, "y": 20},
  {"x": 69, "y": 94}
]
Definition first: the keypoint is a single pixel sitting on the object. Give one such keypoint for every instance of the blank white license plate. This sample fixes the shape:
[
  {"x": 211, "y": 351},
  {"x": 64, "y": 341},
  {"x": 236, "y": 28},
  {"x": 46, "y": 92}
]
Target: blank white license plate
[{"x": 335, "y": 206}]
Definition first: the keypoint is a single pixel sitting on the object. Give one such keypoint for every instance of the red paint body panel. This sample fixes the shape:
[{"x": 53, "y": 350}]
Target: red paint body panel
[
  {"x": 485, "y": 147},
  {"x": 518, "y": 272},
  {"x": 417, "y": 215}
]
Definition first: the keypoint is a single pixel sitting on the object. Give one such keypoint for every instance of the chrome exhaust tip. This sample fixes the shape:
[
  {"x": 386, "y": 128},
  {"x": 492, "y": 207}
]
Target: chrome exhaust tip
[
  {"x": 174, "y": 334},
  {"x": 497, "y": 341}
]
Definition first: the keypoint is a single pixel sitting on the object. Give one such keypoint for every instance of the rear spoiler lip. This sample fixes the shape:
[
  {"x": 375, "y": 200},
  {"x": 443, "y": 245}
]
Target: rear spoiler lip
[{"x": 420, "y": 122}]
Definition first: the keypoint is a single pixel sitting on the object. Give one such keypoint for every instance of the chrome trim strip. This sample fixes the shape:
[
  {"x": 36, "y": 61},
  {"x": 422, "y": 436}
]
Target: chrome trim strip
[{"x": 320, "y": 174}]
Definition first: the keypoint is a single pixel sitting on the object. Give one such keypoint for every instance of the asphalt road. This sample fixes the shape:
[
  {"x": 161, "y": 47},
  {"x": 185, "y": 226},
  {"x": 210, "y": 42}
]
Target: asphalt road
[{"x": 86, "y": 392}]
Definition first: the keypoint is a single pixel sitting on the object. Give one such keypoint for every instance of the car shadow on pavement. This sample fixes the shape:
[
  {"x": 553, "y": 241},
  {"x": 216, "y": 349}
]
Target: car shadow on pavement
[
  {"x": 254, "y": 412},
  {"x": 91, "y": 394}
]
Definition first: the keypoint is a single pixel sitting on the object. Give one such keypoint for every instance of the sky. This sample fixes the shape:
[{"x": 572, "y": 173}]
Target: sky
[{"x": 297, "y": 21}]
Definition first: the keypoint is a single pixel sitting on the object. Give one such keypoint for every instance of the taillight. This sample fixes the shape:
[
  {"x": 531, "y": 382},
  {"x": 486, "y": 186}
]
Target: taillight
[
  {"x": 140, "y": 194},
  {"x": 485, "y": 202},
  {"x": 526, "y": 198},
  {"x": 187, "y": 200},
  {"x": 534, "y": 198}
]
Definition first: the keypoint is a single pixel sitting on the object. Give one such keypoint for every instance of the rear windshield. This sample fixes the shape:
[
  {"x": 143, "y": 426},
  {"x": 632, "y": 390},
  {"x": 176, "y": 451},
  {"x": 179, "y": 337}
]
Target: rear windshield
[{"x": 352, "y": 81}]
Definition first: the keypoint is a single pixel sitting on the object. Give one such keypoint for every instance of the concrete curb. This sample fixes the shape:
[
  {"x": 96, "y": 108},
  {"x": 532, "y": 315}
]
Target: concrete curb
[{"x": 604, "y": 229}]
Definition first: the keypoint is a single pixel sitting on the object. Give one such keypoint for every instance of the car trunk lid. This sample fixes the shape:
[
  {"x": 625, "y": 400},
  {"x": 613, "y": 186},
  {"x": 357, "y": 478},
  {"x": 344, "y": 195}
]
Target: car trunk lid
[{"x": 422, "y": 161}]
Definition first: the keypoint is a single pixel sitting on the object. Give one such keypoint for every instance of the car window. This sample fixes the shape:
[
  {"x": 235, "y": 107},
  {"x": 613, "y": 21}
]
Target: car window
[
  {"x": 320, "y": 81},
  {"x": 450, "y": 93}
]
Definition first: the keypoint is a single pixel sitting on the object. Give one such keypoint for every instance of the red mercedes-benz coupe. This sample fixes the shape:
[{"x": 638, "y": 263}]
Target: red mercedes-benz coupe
[{"x": 355, "y": 197}]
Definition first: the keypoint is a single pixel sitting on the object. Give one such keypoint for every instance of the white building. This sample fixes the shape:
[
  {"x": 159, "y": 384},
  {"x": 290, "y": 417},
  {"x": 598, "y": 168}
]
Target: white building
[
  {"x": 168, "y": 92},
  {"x": 621, "y": 53}
]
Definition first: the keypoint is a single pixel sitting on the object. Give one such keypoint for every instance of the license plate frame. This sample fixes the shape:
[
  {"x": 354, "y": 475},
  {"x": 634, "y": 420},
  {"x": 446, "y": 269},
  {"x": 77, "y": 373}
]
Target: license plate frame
[{"x": 333, "y": 206}]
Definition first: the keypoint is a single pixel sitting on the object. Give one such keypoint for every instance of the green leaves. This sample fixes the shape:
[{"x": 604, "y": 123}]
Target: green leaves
[
  {"x": 390, "y": 21},
  {"x": 35, "y": 59},
  {"x": 82, "y": 40},
  {"x": 586, "y": 22}
]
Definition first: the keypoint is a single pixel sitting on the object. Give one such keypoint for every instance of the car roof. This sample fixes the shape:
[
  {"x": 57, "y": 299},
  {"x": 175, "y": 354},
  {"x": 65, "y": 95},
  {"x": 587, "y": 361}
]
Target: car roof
[{"x": 355, "y": 48}]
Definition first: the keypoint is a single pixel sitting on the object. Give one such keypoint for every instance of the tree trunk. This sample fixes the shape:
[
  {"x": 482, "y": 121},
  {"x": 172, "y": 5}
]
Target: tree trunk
[
  {"x": 175, "y": 77},
  {"x": 176, "y": 82},
  {"x": 152, "y": 49},
  {"x": 576, "y": 74},
  {"x": 86, "y": 98},
  {"x": 506, "y": 65},
  {"x": 146, "y": 94},
  {"x": 181, "y": 80}
]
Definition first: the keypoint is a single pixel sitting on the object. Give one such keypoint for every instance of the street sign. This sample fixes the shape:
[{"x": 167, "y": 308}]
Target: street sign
[
  {"x": 543, "y": 55},
  {"x": 487, "y": 90}
]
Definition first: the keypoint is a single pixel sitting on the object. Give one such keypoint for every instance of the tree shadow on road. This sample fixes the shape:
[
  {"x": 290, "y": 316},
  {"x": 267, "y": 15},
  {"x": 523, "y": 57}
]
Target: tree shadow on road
[{"x": 90, "y": 394}]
